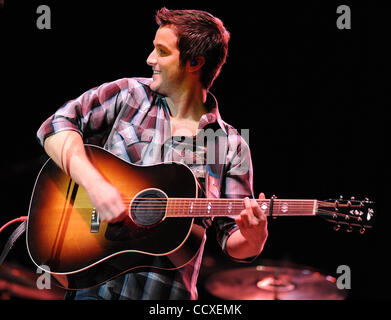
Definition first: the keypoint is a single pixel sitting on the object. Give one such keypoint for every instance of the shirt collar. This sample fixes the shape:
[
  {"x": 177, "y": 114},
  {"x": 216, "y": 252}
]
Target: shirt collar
[{"x": 213, "y": 114}]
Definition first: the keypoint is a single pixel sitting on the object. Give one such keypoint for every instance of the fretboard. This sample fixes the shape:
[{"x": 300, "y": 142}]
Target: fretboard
[{"x": 207, "y": 207}]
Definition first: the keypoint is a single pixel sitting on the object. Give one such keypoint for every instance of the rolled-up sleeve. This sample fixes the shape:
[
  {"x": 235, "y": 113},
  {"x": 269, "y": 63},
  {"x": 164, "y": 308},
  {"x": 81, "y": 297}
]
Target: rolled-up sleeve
[
  {"x": 92, "y": 113},
  {"x": 237, "y": 183}
]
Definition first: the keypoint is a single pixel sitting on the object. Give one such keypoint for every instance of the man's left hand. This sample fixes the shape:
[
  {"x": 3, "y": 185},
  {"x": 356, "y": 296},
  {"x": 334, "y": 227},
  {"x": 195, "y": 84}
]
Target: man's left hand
[{"x": 252, "y": 223}]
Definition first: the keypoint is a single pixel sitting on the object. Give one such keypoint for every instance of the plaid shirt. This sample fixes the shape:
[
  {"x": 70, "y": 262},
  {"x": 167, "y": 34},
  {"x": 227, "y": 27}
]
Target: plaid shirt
[{"x": 133, "y": 122}]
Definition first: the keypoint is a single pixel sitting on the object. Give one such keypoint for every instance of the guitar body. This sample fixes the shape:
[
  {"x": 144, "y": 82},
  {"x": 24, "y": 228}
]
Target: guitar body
[{"x": 65, "y": 238}]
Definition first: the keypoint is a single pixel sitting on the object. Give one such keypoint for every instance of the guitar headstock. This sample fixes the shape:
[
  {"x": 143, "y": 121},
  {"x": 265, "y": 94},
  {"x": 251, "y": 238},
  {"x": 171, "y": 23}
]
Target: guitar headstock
[{"x": 348, "y": 214}]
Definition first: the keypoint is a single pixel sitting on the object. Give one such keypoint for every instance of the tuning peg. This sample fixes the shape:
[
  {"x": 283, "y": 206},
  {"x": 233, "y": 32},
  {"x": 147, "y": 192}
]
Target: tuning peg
[
  {"x": 362, "y": 230},
  {"x": 351, "y": 198},
  {"x": 337, "y": 227},
  {"x": 370, "y": 214}
]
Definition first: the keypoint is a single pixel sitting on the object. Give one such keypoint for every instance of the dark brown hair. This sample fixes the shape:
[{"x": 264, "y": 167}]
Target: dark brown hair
[{"x": 199, "y": 34}]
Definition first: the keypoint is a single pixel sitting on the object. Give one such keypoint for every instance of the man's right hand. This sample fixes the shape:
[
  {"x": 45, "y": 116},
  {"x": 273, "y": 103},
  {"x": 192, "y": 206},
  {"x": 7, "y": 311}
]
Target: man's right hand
[
  {"x": 66, "y": 148},
  {"x": 107, "y": 201}
]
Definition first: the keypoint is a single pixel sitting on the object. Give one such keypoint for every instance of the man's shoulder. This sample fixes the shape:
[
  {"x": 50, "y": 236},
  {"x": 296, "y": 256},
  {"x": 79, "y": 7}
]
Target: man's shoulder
[
  {"x": 237, "y": 137},
  {"x": 133, "y": 82},
  {"x": 144, "y": 81},
  {"x": 230, "y": 129}
]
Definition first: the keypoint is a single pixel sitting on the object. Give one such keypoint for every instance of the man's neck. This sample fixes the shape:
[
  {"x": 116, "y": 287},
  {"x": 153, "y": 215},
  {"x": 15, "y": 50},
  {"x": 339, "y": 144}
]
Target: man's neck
[{"x": 188, "y": 104}]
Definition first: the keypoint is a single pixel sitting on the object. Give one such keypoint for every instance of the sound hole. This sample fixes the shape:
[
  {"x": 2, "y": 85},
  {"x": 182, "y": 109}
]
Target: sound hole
[{"x": 148, "y": 207}]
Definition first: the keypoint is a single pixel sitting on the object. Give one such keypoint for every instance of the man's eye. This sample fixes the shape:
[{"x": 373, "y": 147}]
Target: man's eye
[{"x": 161, "y": 51}]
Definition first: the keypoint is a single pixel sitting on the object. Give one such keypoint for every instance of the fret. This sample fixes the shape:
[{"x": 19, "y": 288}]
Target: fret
[
  {"x": 285, "y": 207},
  {"x": 229, "y": 210},
  {"x": 264, "y": 206},
  {"x": 315, "y": 207}
]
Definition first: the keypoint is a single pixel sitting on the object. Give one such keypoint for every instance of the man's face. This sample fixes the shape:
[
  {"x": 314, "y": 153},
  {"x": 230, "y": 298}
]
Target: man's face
[{"x": 164, "y": 59}]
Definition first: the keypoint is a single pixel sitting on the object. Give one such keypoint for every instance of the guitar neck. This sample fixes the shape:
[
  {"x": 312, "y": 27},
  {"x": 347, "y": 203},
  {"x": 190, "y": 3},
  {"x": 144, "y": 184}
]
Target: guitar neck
[{"x": 207, "y": 207}]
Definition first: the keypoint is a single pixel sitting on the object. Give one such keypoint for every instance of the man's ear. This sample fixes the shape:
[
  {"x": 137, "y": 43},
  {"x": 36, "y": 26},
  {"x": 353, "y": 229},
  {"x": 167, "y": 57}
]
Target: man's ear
[{"x": 195, "y": 64}]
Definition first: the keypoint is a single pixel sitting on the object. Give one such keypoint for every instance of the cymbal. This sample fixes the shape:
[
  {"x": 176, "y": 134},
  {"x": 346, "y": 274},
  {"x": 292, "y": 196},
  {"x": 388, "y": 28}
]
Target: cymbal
[
  {"x": 273, "y": 283},
  {"x": 19, "y": 282}
]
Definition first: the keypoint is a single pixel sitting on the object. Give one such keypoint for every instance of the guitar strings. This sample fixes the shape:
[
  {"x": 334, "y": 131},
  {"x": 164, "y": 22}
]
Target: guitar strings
[
  {"x": 222, "y": 206},
  {"x": 212, "y": 203},
  {"x": 199, "y": 207},
  {"x": 229, "y": 202}
]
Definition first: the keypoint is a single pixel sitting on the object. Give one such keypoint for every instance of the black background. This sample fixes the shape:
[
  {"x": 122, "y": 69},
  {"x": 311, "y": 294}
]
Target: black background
[{"x": 312, "y": 96}]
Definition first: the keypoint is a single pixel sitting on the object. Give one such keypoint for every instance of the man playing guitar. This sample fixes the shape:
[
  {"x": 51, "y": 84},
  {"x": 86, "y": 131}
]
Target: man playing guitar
[{"x": 147, "y": 121}]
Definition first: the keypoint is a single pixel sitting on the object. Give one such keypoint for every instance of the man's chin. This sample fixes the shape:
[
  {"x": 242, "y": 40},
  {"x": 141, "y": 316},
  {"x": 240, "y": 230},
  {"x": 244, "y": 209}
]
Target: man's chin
[
  {"x": 154, "y": 85},
  {"x": 156, "y": 88}
]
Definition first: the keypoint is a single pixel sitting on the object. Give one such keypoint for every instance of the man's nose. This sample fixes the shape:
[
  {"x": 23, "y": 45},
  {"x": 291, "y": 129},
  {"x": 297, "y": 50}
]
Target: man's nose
[{"x": 151, "y": 60}]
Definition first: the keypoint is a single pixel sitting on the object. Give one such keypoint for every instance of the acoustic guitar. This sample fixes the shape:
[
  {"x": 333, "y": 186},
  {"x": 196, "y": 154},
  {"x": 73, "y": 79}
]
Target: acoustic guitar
[{"x": 66, "y": 237}]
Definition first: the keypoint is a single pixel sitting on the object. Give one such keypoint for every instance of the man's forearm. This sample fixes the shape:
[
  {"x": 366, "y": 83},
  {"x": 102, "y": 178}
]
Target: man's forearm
[
  {"x": 66, "y": 148},
  {"x": 238, "y": 247}
]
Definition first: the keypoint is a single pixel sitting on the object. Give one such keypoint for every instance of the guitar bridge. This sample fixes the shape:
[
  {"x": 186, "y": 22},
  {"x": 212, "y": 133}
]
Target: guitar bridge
[{"x": 94, "y": 221}]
